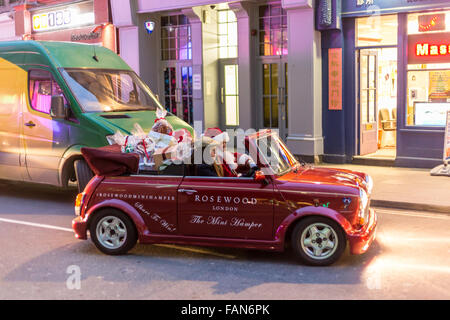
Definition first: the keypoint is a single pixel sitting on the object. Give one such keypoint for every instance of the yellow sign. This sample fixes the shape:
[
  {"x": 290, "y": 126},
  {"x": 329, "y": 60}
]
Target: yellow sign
[{"x": 439, "y": 85}]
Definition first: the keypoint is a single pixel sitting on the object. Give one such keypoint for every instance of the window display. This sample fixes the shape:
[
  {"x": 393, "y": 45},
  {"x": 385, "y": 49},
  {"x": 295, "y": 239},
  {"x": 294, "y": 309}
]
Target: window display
[{"x": 428, "y": 75}]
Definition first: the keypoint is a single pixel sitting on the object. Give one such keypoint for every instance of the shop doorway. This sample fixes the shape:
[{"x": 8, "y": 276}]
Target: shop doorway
[
  {"x": 178, "y": 90},
  {"x": 377, "y": 102},
  {"x": 274, "y": 89},
  {"x": 176, "y": 53}
]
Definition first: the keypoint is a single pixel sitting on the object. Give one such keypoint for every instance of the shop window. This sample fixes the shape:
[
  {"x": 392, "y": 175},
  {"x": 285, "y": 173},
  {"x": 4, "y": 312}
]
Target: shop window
[
  {"x": 428, "y": 75},
  {"x": 176, "y": 40},
  {"x": 272, "y": 30},
  {"x": 376, "y": 31},
  {"x": 227, "y": 34},
  {"x": 42, "y": 87}
]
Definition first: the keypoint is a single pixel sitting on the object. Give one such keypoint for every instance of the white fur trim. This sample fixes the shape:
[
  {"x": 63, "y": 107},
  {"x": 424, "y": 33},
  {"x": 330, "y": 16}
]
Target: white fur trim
[
  {"x": 243, "y": 159},
  {"x": 223, "y": 137}
]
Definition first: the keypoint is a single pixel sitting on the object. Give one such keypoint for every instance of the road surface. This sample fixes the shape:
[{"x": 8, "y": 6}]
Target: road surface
[{"x": 41, "y": 259}]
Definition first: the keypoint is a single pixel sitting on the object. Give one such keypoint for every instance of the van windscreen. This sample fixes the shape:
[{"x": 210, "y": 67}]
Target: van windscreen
[{"x": 100, "y": 90}]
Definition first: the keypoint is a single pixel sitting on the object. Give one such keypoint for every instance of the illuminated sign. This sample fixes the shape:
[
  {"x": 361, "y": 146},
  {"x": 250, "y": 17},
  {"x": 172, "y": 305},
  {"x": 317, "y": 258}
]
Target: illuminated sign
[
  {"x": 364, "y": 2},
  {"x": 63, "y": 17},
  {"x": 430, "y": 114},
  {"x": 433, "y": 22},
  {"x": 149, "y": 26},
  {"x": 355, "y": 8},
  {"x": 426, "y": 49},
  {"x": 429, "y": 48}
]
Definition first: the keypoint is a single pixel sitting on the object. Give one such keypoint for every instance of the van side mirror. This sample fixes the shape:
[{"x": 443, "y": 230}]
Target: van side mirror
[{"x": 58, "y": 110}]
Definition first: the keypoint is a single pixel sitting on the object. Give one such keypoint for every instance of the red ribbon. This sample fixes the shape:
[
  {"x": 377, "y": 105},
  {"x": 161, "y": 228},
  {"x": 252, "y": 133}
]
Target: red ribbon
[{"x": 145, "y": 149}]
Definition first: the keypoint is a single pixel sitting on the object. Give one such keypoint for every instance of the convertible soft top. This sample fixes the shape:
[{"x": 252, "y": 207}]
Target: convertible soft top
[{"x": 110, "y": 161}]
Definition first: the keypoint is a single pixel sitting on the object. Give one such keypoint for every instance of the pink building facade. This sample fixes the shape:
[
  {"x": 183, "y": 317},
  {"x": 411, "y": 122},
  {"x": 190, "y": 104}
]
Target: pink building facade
[{"x": 87, "y": 21}]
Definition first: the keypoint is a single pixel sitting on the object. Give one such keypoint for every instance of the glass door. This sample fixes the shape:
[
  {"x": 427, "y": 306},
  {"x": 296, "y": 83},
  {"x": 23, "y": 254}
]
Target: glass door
[
  {"x": 229, "y": 94},
  {"x": 178, "y": 97},
  {"x": 274, "y": 95},
  {"x": 368, "y": 87}
]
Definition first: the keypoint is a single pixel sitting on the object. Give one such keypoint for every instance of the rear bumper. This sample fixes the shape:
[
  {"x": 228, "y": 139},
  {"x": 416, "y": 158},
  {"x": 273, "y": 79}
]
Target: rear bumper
[
  {"x": 361, "y": 240},
  {"x": 79, "y": 226}
]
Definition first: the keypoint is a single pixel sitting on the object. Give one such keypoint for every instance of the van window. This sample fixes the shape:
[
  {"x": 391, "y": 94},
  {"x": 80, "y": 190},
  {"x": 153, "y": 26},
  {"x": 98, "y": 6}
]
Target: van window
[
  {"x": 109, "y": 90},
  {"x": 42, "y": 87}
]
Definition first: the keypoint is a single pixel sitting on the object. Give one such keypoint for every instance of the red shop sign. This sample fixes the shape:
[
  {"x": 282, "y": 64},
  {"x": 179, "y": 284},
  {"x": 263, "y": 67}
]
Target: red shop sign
[
  {"x": 429, "y": 48},
  {"x": 335, "y": 79}
]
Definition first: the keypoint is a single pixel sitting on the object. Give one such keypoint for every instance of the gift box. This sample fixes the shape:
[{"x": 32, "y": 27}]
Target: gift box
[{"x": 162, "y": 154}]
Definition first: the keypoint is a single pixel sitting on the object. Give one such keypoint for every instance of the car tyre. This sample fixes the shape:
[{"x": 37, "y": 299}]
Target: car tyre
[
  {"x": 113, "y": 232},
  {"x": 318, "y": 241},
  {"x": 83, "y": 174}
]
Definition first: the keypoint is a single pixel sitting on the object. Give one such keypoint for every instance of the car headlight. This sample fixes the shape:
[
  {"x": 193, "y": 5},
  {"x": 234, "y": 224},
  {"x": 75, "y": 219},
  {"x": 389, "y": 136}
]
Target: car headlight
[
  {"x": 110, "y": 139},
  {"x": 363, "y": 203},
  {"x": 369, "y": 184}
]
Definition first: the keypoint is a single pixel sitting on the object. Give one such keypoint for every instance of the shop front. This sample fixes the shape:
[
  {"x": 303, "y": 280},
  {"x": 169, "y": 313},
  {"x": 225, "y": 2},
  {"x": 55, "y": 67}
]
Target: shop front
[
  {"x": 396, "y": 76},
  {"x": 81, "y": 22}
]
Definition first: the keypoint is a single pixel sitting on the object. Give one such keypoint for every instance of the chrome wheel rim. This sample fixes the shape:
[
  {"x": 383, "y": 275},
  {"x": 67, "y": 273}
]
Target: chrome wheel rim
[
  {"x": 319, "y": 241},
  {"x": 111, "y": 232}
]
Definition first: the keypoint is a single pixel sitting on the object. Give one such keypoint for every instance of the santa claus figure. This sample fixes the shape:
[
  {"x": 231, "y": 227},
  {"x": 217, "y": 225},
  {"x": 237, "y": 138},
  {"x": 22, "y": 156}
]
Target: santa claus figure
[{"x": 233, "y": 164}]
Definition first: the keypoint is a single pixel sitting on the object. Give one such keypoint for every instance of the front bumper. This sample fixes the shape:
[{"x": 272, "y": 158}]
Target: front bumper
[
  {"x": 361, "y": 240},
  {"x": 79, "y": 226}
]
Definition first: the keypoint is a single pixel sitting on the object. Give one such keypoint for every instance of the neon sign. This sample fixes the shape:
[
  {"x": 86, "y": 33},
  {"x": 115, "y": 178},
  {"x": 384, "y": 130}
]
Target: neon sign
[
  {"x": 435, "y": 22},
  {"x": 52, "y": 20},
  {"x": 429, "y": 48},
  {"x": 426, "y": 49},
  {"x": 63, "y": 17}
]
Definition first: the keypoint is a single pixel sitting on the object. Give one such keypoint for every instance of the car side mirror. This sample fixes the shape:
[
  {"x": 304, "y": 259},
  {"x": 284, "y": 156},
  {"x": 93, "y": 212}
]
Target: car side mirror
[
  {"x": 58, "y": 110},
  {"x": 261, "y": 178}
]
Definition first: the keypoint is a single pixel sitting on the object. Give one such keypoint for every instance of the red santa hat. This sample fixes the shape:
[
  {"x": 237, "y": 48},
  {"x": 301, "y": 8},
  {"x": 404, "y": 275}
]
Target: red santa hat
[{"x": 217, "y": 135}]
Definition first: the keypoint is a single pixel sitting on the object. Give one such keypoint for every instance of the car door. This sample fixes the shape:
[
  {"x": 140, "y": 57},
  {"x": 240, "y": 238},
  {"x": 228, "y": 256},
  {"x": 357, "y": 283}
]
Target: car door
[
  {"x": 46, "y": 139},
  {"x": 225, "y": 207},
  {"x": 154, "y": 197}
]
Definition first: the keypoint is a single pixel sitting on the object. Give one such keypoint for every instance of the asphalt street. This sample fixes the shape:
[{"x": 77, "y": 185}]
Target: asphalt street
[{"x": 41, "y": 259}]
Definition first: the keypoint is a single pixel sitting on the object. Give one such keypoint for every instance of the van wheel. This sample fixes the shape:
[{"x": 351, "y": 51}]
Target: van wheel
[
  {"x": 318, "y": 241},
  {"x": 83, "y": 174},
  {"x": 113, "y": 232}
]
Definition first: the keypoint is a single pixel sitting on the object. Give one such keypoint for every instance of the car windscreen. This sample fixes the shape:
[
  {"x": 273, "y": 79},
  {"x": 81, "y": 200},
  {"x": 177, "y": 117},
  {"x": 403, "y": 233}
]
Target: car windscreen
[
  {"x": 100, "y": 90},
  {"x": 274, "y": 152}
]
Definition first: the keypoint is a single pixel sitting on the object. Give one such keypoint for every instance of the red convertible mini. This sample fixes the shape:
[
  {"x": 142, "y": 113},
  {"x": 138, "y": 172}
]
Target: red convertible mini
[{"x": 317, "y": 211}]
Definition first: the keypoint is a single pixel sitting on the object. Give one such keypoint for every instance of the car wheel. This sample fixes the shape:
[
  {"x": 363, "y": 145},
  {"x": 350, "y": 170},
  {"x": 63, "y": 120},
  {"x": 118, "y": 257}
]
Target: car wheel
[
  {"x": 113, "y": 232},
  {"x": 318, "y": 241},
  {"x": 83, "y": 174}
]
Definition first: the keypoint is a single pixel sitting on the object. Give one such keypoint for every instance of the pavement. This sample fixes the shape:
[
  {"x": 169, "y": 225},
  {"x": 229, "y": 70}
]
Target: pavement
[{"x": 405, "y": 188}]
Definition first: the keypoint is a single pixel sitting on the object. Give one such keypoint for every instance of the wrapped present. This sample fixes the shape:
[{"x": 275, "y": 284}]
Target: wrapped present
[
  {"x": 138, "y": 132},
  {"x": 145, "y": 148},
  {"x": 161, "y": 124},
  {"x": 129, "y": 144},
  {"x": 184, "y": 150},
  {"x": 162, "y": 140},
  {"x": 182, "y": 135},
  {"x": 162, "y": 154}
]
